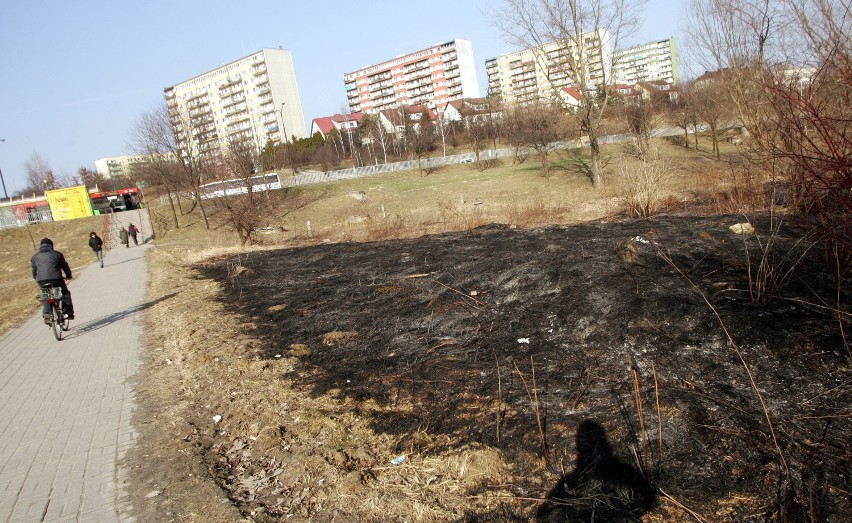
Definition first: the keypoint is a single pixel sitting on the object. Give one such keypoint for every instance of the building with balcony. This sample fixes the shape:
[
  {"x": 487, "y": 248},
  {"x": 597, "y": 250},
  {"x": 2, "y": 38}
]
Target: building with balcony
[
  {"x": 539, "y": 74},
  {"x": 430, "y": 77},
  {"x": 255, "y": 98},
  {"x": 647, "y": 62},
  {"x": 118, "y": 166}
]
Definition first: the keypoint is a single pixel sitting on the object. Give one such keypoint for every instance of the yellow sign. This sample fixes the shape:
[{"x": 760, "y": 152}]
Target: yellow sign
[{"x": 70, "y": 203}]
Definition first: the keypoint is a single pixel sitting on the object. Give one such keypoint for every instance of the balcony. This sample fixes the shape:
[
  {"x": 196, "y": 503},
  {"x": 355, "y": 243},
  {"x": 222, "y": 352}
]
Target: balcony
[
  {"x": 229, "y": 82},
  {"x": 237, "y": 109}
]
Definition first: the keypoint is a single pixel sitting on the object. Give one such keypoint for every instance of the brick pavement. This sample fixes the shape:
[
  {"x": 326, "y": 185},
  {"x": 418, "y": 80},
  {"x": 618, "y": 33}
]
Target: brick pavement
[{"x": 66, "y": 406}]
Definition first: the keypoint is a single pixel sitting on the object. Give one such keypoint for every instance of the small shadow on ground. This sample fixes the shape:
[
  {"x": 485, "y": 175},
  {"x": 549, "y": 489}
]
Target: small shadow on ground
[
  {"x": 600, "y": 488},
  {"x": 103, "y": 321}
]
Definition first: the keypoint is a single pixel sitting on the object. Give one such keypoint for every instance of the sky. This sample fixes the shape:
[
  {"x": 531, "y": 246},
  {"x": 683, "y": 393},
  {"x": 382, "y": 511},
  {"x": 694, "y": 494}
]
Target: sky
[{"x": 77, "y": 76}]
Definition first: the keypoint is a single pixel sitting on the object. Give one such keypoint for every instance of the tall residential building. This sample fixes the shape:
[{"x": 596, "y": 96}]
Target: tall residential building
[
  {"x": 117, "y": 166},
  {"x": 539, "y": 73},
  {"x": 647, "y": 62},
  {"x": 431, "y": 77},
  {"x": 254, "y": 98}
]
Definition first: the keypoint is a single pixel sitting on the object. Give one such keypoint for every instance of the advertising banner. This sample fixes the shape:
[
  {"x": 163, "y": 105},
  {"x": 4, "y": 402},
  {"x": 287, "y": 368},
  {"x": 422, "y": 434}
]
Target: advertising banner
[{"x": 70, "y": 203}]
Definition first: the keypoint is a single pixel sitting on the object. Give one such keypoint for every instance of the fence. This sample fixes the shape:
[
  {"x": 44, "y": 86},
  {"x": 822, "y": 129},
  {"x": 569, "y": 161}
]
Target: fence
[
  {"x": 314, "y": 177},
  {"x": 9, "y": 219}
]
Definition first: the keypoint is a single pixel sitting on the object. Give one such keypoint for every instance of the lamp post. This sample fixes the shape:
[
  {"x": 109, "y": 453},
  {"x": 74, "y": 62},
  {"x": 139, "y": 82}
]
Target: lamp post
[
  {"x": 5, "y": 194},
  {"x": 287, "y": 141}
]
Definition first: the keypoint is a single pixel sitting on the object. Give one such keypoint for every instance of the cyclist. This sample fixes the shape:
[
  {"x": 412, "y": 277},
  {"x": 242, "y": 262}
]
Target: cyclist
[{"x": 48, "y": 267}]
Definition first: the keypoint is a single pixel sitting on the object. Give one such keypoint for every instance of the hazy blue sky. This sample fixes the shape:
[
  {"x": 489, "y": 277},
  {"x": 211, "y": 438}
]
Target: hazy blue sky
[{"x": 77, "y": 75}]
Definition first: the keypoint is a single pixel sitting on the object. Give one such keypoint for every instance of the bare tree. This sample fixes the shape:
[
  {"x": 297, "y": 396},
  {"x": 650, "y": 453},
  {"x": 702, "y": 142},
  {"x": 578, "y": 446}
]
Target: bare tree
[
  {"x": 193, "y": 153},
  {"x": 584, "y": 32},
  {"x": 376, "y": 133},
  {"x": 682, "y": 114},
  {"x": 152, "y": 137},
  {"x": 420, "y": 137},
  {"x": 538, "y": 127},
  {"x": 247, "y": 207},
  {"x": 40, "y": 176},
  {"x": 89, "y": 177},
  {"x": 710, "y": 104}
]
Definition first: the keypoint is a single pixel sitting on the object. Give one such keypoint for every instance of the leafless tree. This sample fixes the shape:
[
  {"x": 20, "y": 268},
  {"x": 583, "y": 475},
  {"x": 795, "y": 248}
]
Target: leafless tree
[
  {"x": 681, "y": 113},
  {"x": 152, "y": 137},
  {"x": 40, "y": 177},
  {"x": 246, "y": 202},
  {"x": 586, "y": 30},
  {"x": 711, "y": 105},
  {"x": 373, "y": 130},
  {"x": 538, "y": 127}
]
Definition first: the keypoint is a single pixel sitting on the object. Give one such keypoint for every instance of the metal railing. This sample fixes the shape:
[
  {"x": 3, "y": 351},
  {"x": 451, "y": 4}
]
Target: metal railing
[{"x": 10, "y": 219}]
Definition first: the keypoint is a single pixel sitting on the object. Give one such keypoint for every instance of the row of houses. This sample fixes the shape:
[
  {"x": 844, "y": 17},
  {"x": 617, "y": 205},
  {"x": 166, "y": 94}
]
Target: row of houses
[{"x": 394, "y": 119}]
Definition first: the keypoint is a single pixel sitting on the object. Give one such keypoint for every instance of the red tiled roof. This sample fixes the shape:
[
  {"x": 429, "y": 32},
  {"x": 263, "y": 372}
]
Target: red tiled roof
[{"x": 326, "y": 123}]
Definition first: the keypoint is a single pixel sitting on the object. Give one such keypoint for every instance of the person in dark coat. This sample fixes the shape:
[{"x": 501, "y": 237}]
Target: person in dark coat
[
  {"x": 97, "y": 245},
  {"x": 132, "y": 230},
  {"x": 48, "y": 266},
  {"x": 123, "y": 238}
]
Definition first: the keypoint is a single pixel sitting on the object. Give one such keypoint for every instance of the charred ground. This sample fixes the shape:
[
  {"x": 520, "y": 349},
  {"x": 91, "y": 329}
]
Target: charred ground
[{"x": 534, "y": 343}]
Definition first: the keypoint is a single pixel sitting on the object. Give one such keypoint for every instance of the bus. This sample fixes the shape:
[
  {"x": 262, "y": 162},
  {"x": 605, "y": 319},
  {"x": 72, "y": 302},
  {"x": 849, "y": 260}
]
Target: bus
[
  {"x": 115, "y": 201},
  {"x": 261, "y": 182}
]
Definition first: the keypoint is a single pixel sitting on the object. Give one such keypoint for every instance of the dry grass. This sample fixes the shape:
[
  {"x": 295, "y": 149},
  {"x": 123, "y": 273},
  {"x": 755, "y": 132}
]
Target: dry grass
[
  {"x": 17, "y": 245},
  {"x": 203, "y": 361}
]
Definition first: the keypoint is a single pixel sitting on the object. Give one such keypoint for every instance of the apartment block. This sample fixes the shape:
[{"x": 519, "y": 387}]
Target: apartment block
[
  {"x": 539, "y": 73},
  {"x": 430, "y": 77},
  {"x": 117, "y": 166},
  {"x": 254, "y": 98},
  {"x": 647, "y": 62}
]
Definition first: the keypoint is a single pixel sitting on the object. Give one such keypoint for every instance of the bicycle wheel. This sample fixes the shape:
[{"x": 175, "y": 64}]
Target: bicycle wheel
[
  {"x": 56, "y": 321},
  {"x": 66, "y": 323}
]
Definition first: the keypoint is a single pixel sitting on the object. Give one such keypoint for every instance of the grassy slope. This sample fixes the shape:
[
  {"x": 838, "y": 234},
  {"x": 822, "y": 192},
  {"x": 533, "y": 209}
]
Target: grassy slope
[
  {"x": 17, "y": 289},
  {"x": 403, "y": 204}
]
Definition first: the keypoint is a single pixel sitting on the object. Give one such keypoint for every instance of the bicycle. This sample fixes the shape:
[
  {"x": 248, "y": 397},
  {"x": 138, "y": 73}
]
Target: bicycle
[{"x": 59, "y": 322}]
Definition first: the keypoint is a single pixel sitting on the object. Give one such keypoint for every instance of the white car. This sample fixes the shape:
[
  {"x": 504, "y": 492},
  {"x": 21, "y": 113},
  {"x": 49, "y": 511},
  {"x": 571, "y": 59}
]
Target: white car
[{"x": 466, "y": 160}]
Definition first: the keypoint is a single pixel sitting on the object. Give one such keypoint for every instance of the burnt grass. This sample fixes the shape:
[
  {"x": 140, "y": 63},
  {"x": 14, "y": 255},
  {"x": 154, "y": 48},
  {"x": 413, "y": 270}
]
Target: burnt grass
[{"x": 536, "y": 341}]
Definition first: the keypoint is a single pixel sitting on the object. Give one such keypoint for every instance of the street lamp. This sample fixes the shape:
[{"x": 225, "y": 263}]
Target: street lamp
[
  {"x": 5, "y": 194},
  {"x": 287, "y": 140}
]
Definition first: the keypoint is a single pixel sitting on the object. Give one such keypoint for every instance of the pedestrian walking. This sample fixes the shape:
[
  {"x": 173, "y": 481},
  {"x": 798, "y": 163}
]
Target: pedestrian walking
[
  {"x": 122, "y": 236},
  {"x": 132, "y": 230},
  {"x": 97, "y": 245}
]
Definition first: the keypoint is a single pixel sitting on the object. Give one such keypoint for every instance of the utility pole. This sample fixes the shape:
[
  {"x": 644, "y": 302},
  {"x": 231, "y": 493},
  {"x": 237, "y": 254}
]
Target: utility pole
[
  {"x": 5, "y": 194},
  {"x": 287, "y": 141}
]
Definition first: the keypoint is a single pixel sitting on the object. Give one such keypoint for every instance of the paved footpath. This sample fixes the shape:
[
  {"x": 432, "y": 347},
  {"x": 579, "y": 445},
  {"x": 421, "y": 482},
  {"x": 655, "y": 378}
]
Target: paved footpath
[{"x": 66, "y": 405}]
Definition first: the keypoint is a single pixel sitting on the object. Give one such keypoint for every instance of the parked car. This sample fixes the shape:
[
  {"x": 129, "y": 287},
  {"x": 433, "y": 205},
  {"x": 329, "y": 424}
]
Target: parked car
[{"x": 466, "y": 160}]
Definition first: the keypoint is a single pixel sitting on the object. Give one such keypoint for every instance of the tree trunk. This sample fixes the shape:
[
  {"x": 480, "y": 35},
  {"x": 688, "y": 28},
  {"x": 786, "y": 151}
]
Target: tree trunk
[
  {"x": 203, "y": 212},
  {"x": 174, "y": 212},
  {"x": 597, "y": 177}
]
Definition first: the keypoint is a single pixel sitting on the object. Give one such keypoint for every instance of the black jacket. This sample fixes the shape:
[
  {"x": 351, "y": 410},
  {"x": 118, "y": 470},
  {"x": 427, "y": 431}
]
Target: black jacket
[
  {"x": 48, "y": 264},
  {"x": 96, "y": 243}
]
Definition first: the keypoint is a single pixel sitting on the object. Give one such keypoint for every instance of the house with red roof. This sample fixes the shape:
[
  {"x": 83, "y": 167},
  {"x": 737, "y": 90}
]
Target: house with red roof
[
  {"x": 657, "y": 88},
  {"x": 341, "y": 122},
  {"x": 468, "y": 109},
  {"x": 571, "y": 97},
  {"x": 396, "y": 120}
]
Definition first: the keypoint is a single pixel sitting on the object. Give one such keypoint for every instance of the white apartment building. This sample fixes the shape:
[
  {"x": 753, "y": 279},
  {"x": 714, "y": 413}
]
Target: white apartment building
[
  {"x": 255, "y": 98},
  {"x": 430, "y": 77},
  {"x": 117, "y": 166},
  {"x": 647, "y": 62},
  {"x": 539, "y": 73}
]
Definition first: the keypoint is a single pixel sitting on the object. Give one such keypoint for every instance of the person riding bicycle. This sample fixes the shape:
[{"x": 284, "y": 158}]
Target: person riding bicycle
[{"x": 48, "y": 267}]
